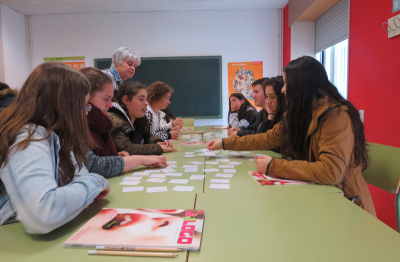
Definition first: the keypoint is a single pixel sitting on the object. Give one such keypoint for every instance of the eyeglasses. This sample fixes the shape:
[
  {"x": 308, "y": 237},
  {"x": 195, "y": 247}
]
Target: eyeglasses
[{"x": 88, "y": 107}]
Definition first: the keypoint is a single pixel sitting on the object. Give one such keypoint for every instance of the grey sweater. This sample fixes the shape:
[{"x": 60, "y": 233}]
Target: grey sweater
[{"x": 106, "y": 166}]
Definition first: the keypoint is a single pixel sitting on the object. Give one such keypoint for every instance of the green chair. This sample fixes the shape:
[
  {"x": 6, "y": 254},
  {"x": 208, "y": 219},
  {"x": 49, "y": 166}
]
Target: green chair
[
  {"x": 398, "y": 206},
  {"x": 188, "y": 122}
]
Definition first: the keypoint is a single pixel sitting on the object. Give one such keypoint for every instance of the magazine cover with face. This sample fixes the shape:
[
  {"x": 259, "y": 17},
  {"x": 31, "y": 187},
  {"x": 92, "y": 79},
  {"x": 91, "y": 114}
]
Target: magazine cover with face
[
  {"x": 169, "y": 228},
  {"x": 267, "y": 180}
]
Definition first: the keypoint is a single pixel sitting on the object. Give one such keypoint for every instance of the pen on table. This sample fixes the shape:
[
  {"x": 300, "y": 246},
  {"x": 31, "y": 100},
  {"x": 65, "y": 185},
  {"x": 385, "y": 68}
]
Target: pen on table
[
  {"x": 130, "y": 254},
  {"x": 151, "y": 249}
]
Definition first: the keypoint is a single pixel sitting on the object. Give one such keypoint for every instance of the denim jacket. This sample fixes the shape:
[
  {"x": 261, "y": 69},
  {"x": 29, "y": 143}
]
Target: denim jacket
[{"x": 29, "y": 188}]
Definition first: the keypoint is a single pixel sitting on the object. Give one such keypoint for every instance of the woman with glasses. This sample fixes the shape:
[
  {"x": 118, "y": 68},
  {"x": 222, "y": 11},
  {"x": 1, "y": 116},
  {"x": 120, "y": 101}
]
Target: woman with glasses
[
  {"x": 104, "y": 158},
  {"x": 158, "y": 96},
  {"x": 44, "y": 137}
]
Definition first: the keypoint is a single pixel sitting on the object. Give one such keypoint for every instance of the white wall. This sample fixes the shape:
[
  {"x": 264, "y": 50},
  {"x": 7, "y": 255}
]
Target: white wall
[
  {"x": 15, "y": 49},
  {"x": 237, "y": 36},
  {"x": 302, "y": 39}
]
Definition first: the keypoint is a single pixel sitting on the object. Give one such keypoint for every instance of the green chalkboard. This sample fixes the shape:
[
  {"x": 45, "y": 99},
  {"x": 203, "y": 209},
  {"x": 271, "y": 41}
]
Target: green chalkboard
[{"x": 196, "y": 81}]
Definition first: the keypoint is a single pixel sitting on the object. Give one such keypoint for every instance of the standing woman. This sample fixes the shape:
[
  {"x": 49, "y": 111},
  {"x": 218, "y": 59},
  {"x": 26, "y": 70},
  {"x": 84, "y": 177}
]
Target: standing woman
[
  {"x": 322, "y": 133},
  {"x": 43, "y": 140},
  {"x": 131, "y": 128},
  {"x": 158, "y": 96},
  {"x": 241, "y": 112}
]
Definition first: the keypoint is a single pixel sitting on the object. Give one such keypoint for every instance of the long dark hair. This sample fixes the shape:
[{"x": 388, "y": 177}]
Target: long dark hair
[
  {"x": 53, "y": 96},
  {"x": 277, "y": 84},
  {"x": 306, "y": 82},
  {"x": 130, "y": 89},
  {"x": 243, "y": 108}
]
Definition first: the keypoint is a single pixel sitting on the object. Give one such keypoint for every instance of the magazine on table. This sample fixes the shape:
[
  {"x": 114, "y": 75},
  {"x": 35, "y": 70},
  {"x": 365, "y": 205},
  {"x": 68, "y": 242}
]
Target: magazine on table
[
  {"x": 157, "y": 228},
  {"x": 264, "y": 180}
]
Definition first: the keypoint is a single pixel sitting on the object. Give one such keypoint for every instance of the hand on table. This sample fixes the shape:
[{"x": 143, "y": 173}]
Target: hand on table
[
  {"x": 103, "y": 193},
  {"x": 262, "y": 163},
  {"x": 174, "y": 133},
  {"x": 214, "y": 144},
  {"x": 154, "y": 161},
  {"x": 123, "y": 153}
]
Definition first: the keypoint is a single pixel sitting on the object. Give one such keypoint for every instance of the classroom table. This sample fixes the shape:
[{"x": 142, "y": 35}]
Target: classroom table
[{"x": 246, "y": 222}]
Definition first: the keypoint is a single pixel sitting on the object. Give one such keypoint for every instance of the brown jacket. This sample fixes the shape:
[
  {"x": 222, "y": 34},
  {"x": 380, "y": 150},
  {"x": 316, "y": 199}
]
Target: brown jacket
[
  {"x": 129, "y": 139},
  {"x": 330, "y": 154}
]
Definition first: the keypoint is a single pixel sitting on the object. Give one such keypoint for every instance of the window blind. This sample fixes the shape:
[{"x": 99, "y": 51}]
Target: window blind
[{"x": 332, "y": 27}]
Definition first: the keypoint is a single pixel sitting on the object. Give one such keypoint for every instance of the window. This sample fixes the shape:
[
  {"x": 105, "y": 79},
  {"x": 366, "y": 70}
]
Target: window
[{"x": 335, "y": 61}]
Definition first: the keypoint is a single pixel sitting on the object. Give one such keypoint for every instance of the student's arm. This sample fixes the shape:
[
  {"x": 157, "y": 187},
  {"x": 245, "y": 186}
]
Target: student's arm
[
  {"x": 122, "y": 142},
  {"x": 107, "y": 166},
  {"x": 40, "y": 203},
  {"x": 264, "y": 141},
  {"x": 335, "y": 151}
]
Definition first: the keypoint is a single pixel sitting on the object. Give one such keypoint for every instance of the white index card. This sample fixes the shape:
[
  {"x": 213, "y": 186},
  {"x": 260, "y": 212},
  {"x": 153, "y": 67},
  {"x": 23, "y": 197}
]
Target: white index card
[
  {"x": 132, "y": 189},
  {"x": 156, "y": 189}
]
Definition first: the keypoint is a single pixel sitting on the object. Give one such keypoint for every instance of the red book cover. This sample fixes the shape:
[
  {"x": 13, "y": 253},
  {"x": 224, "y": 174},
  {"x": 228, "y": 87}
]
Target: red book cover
[
  {"x": 118, "y": 227},
  {"x": 264, "y": 180}
]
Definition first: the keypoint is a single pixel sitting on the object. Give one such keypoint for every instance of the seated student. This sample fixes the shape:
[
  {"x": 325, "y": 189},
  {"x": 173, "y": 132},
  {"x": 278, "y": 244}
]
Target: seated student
[
  {"x": 123, "y": 65},
  {"x": 7, "y": 96},
  {"x": 269, "y": 94},
  {"x": 322, "y": 136},
  {"x": 43, "y": 140},
  {"x": 130, "y": 130},
  {"x": 104, "y": 158},
  {"x": 241, "y": 112},
  {"x": 166, "y": 117},
  {"x": 158, "y": 96}
]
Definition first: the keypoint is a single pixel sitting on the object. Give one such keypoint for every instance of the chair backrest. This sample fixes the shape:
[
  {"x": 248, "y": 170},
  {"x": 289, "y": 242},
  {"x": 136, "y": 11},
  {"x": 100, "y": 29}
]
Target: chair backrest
[
  {"x": 397, "y": 202},
  {"x": 188, "y": 121}
]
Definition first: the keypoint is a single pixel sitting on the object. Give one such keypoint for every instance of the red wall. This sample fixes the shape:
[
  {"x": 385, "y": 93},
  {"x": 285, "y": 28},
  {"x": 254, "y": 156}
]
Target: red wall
[
  {"x": 374, "y": 70},
  {"x": 286, "y": 36}
]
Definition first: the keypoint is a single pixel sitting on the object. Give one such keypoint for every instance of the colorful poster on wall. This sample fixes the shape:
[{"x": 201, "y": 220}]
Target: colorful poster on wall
[
  {"x": 396, "y": 5},
  {"x": 76, "y": 62},
  {"x": 241, "y": 75}
]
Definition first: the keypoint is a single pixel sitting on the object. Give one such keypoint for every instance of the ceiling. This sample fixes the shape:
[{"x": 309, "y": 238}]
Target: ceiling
[{"x": 44, "y": 7}]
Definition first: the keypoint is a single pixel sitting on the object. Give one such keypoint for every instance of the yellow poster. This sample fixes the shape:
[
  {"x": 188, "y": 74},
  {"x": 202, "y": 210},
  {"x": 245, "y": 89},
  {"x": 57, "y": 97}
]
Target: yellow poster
[
  {"x": 241, "y": 75},
  {"x": 75, "y": 62}
]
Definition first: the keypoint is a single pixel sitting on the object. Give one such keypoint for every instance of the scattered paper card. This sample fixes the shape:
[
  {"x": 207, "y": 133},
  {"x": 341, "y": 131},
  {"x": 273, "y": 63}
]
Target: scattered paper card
[
  {"x": 178, "y": 181},
  {"x": 130, "y": 183},
  {"x": 132, "y": 178},
  {"x": 219, "y": 181},
  {"x": 190, "y": 156},
  {"x": 222, "y": 160},
  {"x": 226, "y": 166},
  {"x": 233, "y": 171},
  {"x": 156, "y": 189},
  {"x": 168, "y": 170},
  {"x": 156, "y": 180},
  {"x": 224, "y": 175},
  {"x": 173, "y": 174},
  {"x": 158, "y": 175},
  {"x": 245, "y": 152},
  {"x": 190, "y": 166},
  {"x": 132, "y": 189},
  {"x": 209, "y": 152},
  {"x": 171, "y": 162},
  {"x": 212, "y": 163},
  {"x": 183, "y": 188},
  {"x": 220, "y": 186},
  {"x": 144, "y": 173},
  {"x": 195, "y": 162},
  {"x": 211, "y": 170},
  {"x": 197, "y": 177},
  {"x": 191, "y": 169},
  {"x": 186, "y": 137},
  {"x": 188, "y": 153},
  {"x": 234, "y": 163}
]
